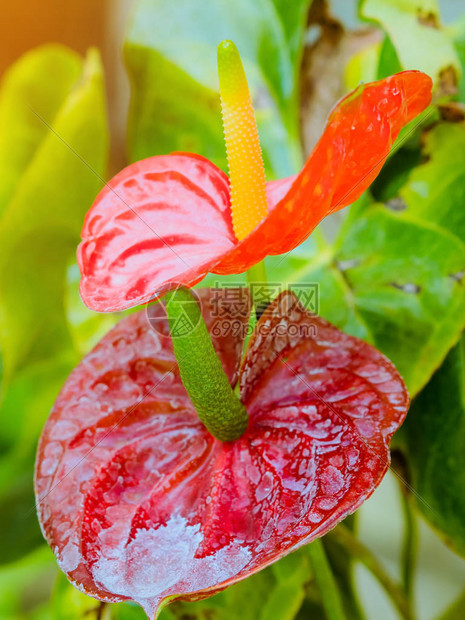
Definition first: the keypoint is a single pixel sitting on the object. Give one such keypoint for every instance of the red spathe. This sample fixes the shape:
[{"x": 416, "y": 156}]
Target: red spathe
[
  {"x": 139, "y": 502},
  {"x": 166, "y": 220}
]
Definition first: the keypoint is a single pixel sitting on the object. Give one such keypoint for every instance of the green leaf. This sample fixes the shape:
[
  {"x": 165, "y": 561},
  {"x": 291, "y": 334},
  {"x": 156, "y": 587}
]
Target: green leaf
[
  {"x": 25, "y": 86},
  {"x": 362, "y": 66},
  {"x": 400, "y": 272},
  {"x": 395, "y": 173},
  {"x": 40, "y": 228},
  {"x": 408, "y": 21},
  {"x": 456, "y": 611},
  {"x": 387, "y": 279},
  {"x": 275, "y": 593},
  {"x": 435, "y": 449},
  {"x": 292, "y": 573},
  {"x": 175, "y": 101},
  {"x": 18, "y": 521},
  {"x": 86, "y": 326},
  {"x": 435, "y": 191},
  {"x": 395, "y": 274},
  {"x": 68, "y": 603},
  {"x": 315, "y": 265},
  {"x": 30, "y": 395},
  {"x": 230, "y": 604},
  {"x": 457, "y": 32},
  {"x": 389, "y": 62},
  {"x": 131, "y": 611},
  {"x": 24, "y": 582}
]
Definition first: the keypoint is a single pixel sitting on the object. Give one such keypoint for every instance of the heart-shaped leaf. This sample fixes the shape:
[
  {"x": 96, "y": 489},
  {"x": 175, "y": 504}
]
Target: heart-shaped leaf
[
  {"x": 387, "y": 279},
  {"x": 140, "y": 502}
]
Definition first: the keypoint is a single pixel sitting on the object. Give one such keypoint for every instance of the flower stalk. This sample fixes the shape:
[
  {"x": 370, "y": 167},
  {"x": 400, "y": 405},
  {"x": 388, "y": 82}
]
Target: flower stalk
[
  {"x": 329, "y": 591},
  {"x": 202, "y": 374},
  {"x": 344, "y": 537},
  {"x": 259, "y": 290}
]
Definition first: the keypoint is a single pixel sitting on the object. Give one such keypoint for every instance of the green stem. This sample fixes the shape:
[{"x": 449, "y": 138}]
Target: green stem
[
  {"x": 343, "y": 536},
  {"x": 201, "y": 371},
  {"x": 324, "y": 577},
  {"x": 259, "y": 289},
  {"x": 409, "y": 547}
]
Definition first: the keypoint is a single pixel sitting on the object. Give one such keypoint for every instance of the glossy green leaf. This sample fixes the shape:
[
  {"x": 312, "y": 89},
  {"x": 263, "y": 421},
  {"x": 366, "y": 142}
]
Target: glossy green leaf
[
  {"x": 171, "y": 57},
  {"x": 387, "y": 280},
  {"x": 388, "y": 62},
  {"x": 400, "y": 272},
  {"x": 313, "y": 264},
  {"x": 435, "y": 449},
  {"x": 395, "y": 174},
  {"x": 395, "y": 274},
  {"x": 435, "y": 191},
  {"x": 40, "y": 228},
  {"x": 411, "y": 20}
]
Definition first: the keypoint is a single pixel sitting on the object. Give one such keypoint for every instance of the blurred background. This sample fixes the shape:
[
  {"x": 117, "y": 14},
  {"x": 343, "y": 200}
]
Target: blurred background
[
  {"x": 102, "y": 24},
  {"x": 30, "y": 586},
  {"x": 79, "y": 26}
]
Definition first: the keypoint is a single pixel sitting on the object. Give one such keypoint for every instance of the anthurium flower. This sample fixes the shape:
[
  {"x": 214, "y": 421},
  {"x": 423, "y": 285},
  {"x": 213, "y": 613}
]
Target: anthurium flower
[
  {"x": 139, "y": 502},
  {"x": 174, "y": 218}
]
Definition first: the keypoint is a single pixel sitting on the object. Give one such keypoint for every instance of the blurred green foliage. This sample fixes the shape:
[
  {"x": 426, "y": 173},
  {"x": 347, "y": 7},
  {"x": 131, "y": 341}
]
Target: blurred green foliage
[
  {"x": 275, "y": 593},
  {"x": 53, "y": 145},
  {"x": 435, "y": 445},
  {"x": 42, "y": 219},
  {"x": 456, "y": 610},
  {"x": 171, "y": 58},
  {"x": 393, "y": 276},
  {"x": 407, "y": 21}
]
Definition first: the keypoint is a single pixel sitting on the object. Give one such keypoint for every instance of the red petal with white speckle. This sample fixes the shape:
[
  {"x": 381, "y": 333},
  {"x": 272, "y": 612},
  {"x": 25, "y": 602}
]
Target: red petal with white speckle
[{"x": 139, "y": 502}]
